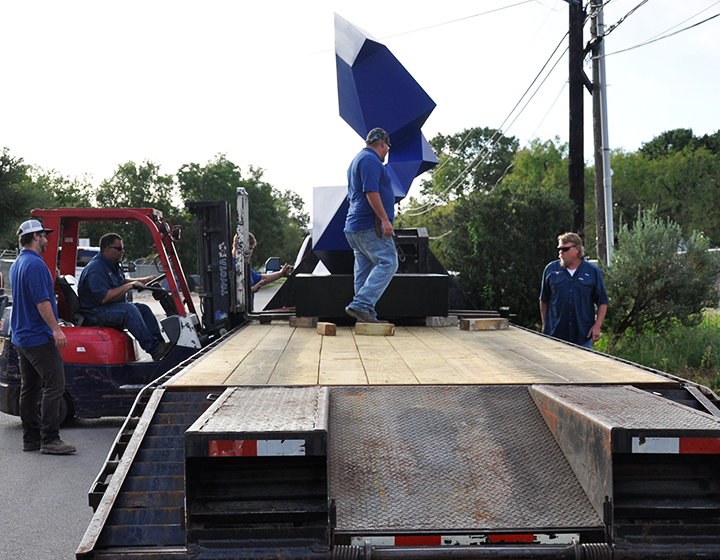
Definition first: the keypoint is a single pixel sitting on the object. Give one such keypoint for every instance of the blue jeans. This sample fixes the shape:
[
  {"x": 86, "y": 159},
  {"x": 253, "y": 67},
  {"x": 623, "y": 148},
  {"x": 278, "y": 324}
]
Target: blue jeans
[
  {"x": 375, "y": 264},
  {"x": 41, "y": 373},
  {"x": 138, "y": 318}
]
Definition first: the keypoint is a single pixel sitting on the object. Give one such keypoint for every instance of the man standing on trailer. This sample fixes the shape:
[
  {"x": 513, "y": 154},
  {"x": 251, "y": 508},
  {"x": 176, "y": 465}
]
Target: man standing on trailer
[
  {"x": 571, "y": 290},
  {"x": 38, "y": 338},
  {"x": 102, "y": 288},
  {"x": 369, "y": 225}
]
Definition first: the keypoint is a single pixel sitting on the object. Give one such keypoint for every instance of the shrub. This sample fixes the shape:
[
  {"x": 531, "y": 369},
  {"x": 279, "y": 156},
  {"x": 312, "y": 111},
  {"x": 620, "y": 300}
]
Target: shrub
[
  {"x": 501, "y": 242},
  {"x": 658, "y": 276}
]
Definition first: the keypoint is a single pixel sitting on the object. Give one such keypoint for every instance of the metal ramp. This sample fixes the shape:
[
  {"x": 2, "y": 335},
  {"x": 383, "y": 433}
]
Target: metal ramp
[
  {"x": 147, "y": 511},
  {"x": 650, "y": 466},
  {"x": 446, "y": 459},
  {"x": 256, "y": 474},
  {"x": 350, "y": 472}
]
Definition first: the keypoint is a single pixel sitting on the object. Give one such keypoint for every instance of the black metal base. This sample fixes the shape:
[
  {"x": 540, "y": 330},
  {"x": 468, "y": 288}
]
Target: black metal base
[{"x": 407, "y": 296}]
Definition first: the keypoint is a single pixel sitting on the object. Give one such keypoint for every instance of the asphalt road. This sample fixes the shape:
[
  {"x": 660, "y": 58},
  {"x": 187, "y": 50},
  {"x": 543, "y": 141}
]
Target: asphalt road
[{"x": 44, "y": 509}]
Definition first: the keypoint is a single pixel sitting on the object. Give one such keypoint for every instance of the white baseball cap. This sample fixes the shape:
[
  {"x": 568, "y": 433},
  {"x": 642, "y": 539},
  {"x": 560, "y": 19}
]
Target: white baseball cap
[{"x": 32, "y": 226}]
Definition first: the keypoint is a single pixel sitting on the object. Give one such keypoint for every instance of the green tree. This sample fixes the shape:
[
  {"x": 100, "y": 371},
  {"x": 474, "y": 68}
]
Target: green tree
[
  {"x": 683, "y": 183},
  {"x": 474, "y": 159},
  {"x": 658, "y": 275},
  {"x": 133, "y": 186},
  {"x": 17, "y": 197},
  {"x": 277, "y": 219},
  {"x": 501, "y": 242}
]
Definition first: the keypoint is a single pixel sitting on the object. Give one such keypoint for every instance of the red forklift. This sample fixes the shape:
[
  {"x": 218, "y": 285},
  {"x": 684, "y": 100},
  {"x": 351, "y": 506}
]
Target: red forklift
[{"x": 104, "y": 369}]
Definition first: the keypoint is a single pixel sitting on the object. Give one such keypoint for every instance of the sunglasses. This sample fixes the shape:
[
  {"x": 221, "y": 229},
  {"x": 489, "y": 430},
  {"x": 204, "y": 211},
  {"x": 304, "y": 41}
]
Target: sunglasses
[
  {"x": 565, "y": 249},
  {"x": 120, "y": 248}
]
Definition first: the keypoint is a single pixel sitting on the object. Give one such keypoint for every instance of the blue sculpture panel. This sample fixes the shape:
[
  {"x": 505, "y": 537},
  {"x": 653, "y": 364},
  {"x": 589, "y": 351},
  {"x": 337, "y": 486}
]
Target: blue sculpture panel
[{"x": 374, "y": 90}]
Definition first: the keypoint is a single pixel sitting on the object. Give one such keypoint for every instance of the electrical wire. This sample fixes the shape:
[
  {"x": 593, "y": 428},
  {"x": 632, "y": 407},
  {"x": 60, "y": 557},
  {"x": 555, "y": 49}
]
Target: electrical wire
[
  {"x": 458, "y": 20},
  {"x": 622, "y": 19},
  {"x": 650, "y": 41},
  {"x": 687, "y": 19},
  {"x": 482, "y": 155}
]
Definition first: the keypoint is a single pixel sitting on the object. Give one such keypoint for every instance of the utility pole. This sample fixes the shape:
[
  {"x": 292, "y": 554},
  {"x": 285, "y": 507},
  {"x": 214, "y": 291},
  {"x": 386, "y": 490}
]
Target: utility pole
[
  {"x": 600, "y": 238},
  {"x": 577, "y": 79},
  {"x": 603, "y": 177}
]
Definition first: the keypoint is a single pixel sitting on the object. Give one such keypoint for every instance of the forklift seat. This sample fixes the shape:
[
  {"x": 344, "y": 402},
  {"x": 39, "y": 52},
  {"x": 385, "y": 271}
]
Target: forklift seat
[{"x": 78, "y": 316}]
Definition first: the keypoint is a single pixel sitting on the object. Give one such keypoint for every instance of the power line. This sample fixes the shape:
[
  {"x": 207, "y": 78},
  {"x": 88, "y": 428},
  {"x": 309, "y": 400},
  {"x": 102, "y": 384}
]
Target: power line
[
  {"x": 622, "y": 19},
  {"x": 664, "y": 36},
  {"x": 457, "y": 20},
  {"x": 482, "y": 155}
]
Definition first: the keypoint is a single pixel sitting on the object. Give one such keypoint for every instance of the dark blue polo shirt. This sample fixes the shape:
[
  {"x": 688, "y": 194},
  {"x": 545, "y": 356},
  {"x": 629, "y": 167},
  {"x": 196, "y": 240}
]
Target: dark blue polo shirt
[
  {"x": 31, "y": 283},
  {"x": 572, "y": 300},
  {"x": 99, "y": 277}
]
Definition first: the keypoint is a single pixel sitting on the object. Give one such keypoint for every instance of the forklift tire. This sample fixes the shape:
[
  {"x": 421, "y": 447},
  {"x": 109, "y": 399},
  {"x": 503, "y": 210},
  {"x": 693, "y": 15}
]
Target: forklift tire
[{"x": 67, "y": 408}]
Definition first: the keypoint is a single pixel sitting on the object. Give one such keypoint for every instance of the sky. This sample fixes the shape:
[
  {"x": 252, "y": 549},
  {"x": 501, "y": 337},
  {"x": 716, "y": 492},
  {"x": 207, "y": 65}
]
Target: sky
[{"x": 90, "y": 85}]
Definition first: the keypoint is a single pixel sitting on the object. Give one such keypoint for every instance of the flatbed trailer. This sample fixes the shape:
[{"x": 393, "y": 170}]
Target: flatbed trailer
[{"x": 278, "y": 442}]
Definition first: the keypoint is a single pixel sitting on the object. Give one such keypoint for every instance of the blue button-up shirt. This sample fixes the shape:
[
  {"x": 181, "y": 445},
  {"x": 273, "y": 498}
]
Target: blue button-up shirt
[
  {"x": 572, "y": 300},
  {"x": 99, "y": 277}
]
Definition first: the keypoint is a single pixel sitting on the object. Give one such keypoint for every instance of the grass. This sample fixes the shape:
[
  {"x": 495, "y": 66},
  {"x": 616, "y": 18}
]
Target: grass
[{"x": 692, "y": 353}]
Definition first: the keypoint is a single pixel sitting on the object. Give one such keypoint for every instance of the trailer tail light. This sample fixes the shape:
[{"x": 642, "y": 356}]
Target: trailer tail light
[
  {"x": 677, "y": 445},
  {"x": 467, "y": 540}
]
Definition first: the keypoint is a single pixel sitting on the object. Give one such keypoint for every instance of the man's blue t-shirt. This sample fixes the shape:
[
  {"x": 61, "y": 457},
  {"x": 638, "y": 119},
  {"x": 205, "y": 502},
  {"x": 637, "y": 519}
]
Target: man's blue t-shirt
[
  {"x": 367, "y": 174},
  {"x": 99, "y": 277},
  {"x": 572, "y": 300},
  {"x": 32, "y": 283}
]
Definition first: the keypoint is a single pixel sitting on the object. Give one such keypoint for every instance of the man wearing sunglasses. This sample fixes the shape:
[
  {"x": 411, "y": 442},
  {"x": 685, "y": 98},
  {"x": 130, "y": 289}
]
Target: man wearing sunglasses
[
  {"x": 103, "y": 287},
  {"x": 573, "y": 301},
  {"x": 369, "y": 225}
]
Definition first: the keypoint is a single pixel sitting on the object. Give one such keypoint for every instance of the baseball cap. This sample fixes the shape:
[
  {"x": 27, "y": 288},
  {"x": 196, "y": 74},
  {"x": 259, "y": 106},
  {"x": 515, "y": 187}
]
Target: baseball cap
[
  {"x": 377, "y": 134},
  {"x": 32, "y": 226}
]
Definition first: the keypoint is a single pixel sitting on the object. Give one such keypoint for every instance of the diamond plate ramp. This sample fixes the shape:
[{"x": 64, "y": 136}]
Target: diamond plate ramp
[{"x": 448, "y": 458}]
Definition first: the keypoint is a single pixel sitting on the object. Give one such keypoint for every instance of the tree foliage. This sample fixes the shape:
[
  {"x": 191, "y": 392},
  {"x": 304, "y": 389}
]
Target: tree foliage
[
  {"x": 657, "y": 275},
  {"x": 17, "y": 196},
  {"x": 500, "y": 243},
  {"x": 679, "y": 174},
  {"x": 472, "y": 160},
  {"x": 277, "y": 219},
  {"x": 24, "y": 187}
]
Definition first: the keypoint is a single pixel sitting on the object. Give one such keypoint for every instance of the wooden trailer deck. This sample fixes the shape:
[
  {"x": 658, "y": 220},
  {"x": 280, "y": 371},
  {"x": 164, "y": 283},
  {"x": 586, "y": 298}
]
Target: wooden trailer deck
[{"x": 277, "y": 354}]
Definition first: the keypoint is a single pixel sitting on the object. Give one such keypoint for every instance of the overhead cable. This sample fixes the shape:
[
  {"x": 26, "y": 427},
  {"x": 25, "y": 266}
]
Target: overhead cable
[
  {"x": 664, "y": 36},
  {"x": 483, "y": 154}
]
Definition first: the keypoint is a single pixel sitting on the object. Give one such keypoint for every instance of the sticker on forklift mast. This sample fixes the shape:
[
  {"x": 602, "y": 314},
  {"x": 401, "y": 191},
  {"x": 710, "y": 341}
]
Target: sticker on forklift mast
[
  {"x": 465, "y": 540},
  {"x": 669, "y": 445},
  {"x": 256, "y": 447}
]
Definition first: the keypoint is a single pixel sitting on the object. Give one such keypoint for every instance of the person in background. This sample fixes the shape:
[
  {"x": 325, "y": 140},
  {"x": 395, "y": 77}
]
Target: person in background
[
  {"x": 369, "y": 226},
  {"x": 258, "y": 280},
  {"x": 572, "y": 290},
  {"x": 38, "y": 338}
]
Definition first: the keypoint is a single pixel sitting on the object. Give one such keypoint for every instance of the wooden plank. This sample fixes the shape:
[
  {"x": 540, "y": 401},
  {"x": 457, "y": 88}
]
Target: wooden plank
[
  {"x": 427, "y": 366},
  {"x": 374, "y": 329},
  {"x": 216, "y": 366},
  {"x": 327, "y": 329},
  {"x": 299, "y": 363},
  {"x": 340, "y": 362},
  {"x": 257, "y": 367},
  {"x": 382, "y": 364},
  {"x": 482, "y": 362},
  {"x": 484, "y": 324},
  {"x": 306, "y": 322}
]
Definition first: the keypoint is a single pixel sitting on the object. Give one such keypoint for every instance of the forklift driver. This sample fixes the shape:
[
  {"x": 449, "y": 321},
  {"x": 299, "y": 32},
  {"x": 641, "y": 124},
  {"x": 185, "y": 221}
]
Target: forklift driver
[{"x": 102, "y": 288}]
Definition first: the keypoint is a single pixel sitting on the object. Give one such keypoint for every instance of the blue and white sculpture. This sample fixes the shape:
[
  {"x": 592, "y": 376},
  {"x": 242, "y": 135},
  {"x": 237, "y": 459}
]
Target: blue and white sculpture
[{"x": 374, "y": 89}]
